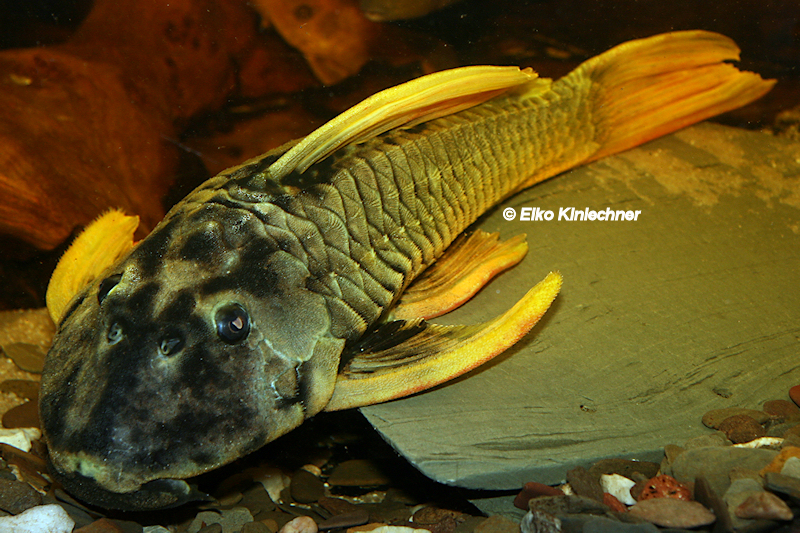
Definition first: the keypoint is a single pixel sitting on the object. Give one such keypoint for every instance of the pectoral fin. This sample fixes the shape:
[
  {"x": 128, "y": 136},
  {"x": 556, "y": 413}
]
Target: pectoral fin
[
  {"x": 419, "y": 100},
  {"x": 469, "y": 264},
  {"x": 98, "y": 247},
  {"x": 404, "y": 358}
]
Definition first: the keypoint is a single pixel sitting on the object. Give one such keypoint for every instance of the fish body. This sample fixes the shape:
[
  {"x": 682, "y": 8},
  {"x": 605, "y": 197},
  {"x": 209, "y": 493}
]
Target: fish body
[{"x": 267, "y": 295}]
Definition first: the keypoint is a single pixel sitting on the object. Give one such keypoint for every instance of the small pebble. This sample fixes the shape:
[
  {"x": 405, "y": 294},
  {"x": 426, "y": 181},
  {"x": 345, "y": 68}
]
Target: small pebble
[
  {"x": 16, "y": 496},
  {"x": 713, "y": 419},
  {"x": 585, "y": 484},
  {"x": 624, "y": 467},
  {"x": 256, "y": 527},
  {"x": 717, "y": 438},
  {"x": 354, "y": 518},
  {"x": 44, "y": 518},
  {"x": 794, "y": 394},
  {"x": 301, "y": 524},
  {"x": 784, "y": 484},
  {"x": 781, "y": 409},
  {"x": 104, "y": 525},
  {"x": 613, "y": 503},
  {"x": 383, "y": 528},
  {"x": 776, "y": 465},
  {"x": 566, "y": 505},
  {"x": 24, "y": 388},
  {"x": 671, "y": 512},
  {"x": 20, "y": 438},
  {"x": 539, "y": 522},
  {"x": 705, "y": 495},
  {"x": 155, "y": 529},
  {"x": 742, "y": 428},
  {"x": 22, "y": 416},
  {"x": 305, "y": 487},
  {"x": 619, "y": 487},
  {"x": 533, "y": 489},
  {"x": 664, "y": 486},
  {"x": 229, "y": 520},
  {"x": 764, "y": 505},
  {"x": 27, "y": 357},
  {"x": 358, "y": 473},
  {"x": 497, "y": 524}
]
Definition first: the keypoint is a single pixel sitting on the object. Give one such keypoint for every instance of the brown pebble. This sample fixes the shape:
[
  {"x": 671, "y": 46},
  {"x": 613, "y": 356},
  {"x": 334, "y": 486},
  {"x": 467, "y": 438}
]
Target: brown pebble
[
  {"x": 256, "y": 527},
  {"x": 437, "y": 520},
  {"x": 256, "y": 499},
  {"x": 343, "y": 520},
  {"x": 306, "y": 487},
  {"x": 741, "y": 428},
  {"x": 28, "y": 357},
  {"x": 24, "y": 388},
  {"x": 782, "y": 409},
  {"x": 533, "y": 489},
  {"x": 497, "y": 524},
  {"x": 585, "y": 484},
  {"x": 715, "y": 417},
  {"x": 613, "y": 503},
  {"x": 16, "y": 496},
  {"x": 212, "y": 528},
  {"x": 623, "y": 467},
  {"x": 764, "y": 505},
  {"x": 705, "y": 494},
  {"x": 794, "y": 394},
  {"x": 25, "y": 415},
  {"x": 104, "y": 525},
  {"x": 358, "y": 473},
  {"x": 336, "y": 505},
  {"x": 669, "y": 512}
]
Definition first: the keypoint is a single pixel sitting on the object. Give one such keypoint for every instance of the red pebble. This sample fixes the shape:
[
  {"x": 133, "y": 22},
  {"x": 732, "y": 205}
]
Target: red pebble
[
  {"x": 665, "y": 487},
  {"x": 614, "y": 503},
  {"x": 532, "y": 490},
  {"x": 794, "y": 394}
]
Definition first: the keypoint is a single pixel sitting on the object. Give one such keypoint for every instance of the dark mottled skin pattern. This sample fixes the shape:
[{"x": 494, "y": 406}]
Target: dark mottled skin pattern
[{"x": 315, "y": 260}]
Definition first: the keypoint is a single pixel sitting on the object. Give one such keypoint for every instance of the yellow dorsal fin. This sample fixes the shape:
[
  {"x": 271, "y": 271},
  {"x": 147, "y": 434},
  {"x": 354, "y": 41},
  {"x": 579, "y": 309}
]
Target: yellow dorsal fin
[
  {"x": 98, "y": 247},
  {"x": 419, "y": 100},
  {"x": 426, "y": 355}
]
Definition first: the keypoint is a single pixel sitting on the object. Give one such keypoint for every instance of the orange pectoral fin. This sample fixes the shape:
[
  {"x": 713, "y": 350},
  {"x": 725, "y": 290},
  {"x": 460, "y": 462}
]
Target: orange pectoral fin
[
  {"x": 465, "y": 268},
  {"x": 98, "y": 247},
  {"x": 404, "y": 358}
]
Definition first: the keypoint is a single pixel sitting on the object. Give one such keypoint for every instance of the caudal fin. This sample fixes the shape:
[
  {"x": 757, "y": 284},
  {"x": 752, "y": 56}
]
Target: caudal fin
[{"x": 646, "y": 88}]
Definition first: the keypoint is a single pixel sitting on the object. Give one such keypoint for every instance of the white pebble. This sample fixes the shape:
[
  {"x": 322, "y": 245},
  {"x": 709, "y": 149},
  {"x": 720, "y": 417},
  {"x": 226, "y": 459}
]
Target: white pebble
[
  {"x": 619, "y": 487},
  {"x": 41, "y": 519},
  {"x": 791, "y": 467},
  {"x": 386, "y": 529},
  {"x": 155, "y": 529},
  {"x": 20, "y": 437},
  {"x": 301, "y": 524}
]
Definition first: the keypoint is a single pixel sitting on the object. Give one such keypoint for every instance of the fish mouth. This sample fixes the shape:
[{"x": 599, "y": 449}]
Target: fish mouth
[{"x": 150, "y": 496}]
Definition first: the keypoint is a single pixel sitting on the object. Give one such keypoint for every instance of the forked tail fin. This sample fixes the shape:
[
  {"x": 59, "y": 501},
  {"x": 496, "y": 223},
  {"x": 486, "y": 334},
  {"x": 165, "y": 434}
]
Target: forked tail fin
[{"x": 646, "y": 88}]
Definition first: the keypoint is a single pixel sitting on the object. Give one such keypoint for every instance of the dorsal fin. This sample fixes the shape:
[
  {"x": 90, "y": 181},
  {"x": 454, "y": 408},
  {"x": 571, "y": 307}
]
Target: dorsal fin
[{"x": 413, "y": 102}]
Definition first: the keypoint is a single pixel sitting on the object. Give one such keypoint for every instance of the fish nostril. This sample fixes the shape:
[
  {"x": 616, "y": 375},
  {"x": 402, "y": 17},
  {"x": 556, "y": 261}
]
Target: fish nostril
[
  {"x": 115, "y": 333},
  {"x": 105, "y": 287},
  {"x": 170, "y": 346}
]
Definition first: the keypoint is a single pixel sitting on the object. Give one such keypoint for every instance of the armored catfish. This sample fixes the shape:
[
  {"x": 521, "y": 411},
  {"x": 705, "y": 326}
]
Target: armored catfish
[{"x": 300, "y": 280}]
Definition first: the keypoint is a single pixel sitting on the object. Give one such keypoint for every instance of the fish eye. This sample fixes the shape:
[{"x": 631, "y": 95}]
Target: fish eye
[
  {"x": 170, "y": 346},
  {"x": 114, "y": 334},
  {"x": 106, "y": 285},
  {"x": 233, "y": 323}
]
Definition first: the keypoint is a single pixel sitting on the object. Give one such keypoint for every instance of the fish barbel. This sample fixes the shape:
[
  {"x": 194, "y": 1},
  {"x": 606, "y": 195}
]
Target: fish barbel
[{"x": 299, "y": 281}]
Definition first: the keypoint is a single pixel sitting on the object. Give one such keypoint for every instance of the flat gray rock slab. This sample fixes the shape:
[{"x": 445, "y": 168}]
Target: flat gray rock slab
[{"x": 693, "y": 306}]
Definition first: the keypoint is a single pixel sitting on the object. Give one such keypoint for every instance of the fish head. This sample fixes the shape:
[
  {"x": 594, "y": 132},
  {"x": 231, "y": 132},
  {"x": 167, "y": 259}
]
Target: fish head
[{"x": 197, "y": 348}]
